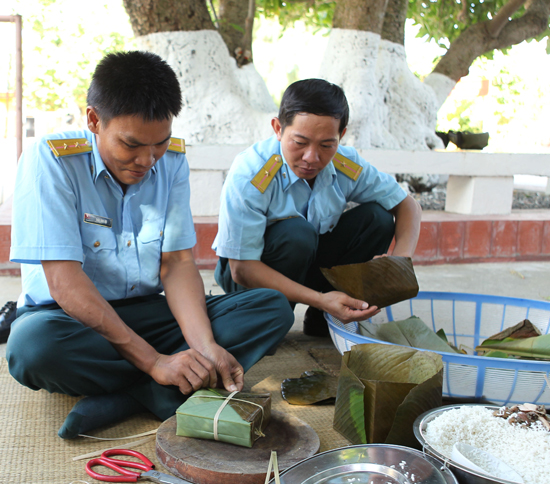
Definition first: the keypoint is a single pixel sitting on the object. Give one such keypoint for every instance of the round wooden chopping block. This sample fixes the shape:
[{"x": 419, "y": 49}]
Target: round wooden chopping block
[{"x": 209, "y": 462}]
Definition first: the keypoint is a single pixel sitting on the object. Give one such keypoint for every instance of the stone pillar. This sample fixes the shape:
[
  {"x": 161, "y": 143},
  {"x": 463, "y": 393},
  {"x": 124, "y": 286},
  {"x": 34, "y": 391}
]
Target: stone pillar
[{"x": 479, "y": 195}]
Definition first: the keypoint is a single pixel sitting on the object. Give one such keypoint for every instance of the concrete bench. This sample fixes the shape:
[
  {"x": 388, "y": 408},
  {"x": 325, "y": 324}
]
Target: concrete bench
[{"x": 479, "y": 183}]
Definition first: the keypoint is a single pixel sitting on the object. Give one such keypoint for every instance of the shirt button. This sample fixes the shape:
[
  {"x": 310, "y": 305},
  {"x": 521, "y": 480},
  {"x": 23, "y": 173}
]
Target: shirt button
[
  {"x": 132, "y": 288},
  {"x": 97, "y": 243},
  {"x": 129, "y": 243},
  {"x": 332, "y": 226},
  {"x": 161, "y": 232}
]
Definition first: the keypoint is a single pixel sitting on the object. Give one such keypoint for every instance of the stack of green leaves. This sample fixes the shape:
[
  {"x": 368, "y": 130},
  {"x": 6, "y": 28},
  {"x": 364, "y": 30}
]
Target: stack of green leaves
[
  {"x": 382, "y": 389},
  {"x": 408, "y": 332}
]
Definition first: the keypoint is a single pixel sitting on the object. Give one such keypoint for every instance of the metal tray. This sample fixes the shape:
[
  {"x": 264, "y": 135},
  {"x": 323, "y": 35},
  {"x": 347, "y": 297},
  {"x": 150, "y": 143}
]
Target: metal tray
[
  {"x": 463, "y": 474},
  {"x": 369, "y": 464}
]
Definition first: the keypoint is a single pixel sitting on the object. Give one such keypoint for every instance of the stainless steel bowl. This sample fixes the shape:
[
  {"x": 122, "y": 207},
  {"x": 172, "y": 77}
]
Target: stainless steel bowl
[
  {"x": 369, "y": 463},
  {"x": 463, "y": 474}
]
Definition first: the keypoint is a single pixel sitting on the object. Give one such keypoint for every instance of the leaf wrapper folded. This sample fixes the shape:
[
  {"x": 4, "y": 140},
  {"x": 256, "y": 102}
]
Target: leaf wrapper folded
[
  {"x": 380, "y": 282},
  {"x": 382, "y": 389},
  {"x": 241, "y": 422}
]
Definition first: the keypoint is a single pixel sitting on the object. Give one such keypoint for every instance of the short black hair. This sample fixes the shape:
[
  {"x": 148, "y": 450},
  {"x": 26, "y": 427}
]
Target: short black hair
[
  {"x": 134, "y": 83},
  {"x": 314, "y": 96}
]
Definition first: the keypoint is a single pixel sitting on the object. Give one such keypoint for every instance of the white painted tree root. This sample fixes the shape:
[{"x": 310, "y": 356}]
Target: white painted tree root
[
  {"x": 390, "y": 107},
  {"x": 222, "y": 104}
]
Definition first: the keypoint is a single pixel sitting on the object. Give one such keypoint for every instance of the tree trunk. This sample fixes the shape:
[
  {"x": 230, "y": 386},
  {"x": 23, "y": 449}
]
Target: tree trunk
[
  {"x": 390, "y": 108},
  {"x": 236, "y": 24},
  {"x": 394, "y": 21},
  {"x": 360, "y": 15},
  {"x": 498, "y": 33},
  {"x": 151, "y": 16}
]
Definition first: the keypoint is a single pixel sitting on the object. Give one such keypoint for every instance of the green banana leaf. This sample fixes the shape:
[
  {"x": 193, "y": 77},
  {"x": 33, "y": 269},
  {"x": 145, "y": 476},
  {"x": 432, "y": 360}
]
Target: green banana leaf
[
  {"x": 409, "y": 332},
  {"x": 498, "y": 354},
  {"x": 382, "y": 389},
  {"x": 313, "y": 386},
  {"x": 537, "y": 347},
  {"x": 521, "y": 340},
  {"x": 380, "y": 282}
]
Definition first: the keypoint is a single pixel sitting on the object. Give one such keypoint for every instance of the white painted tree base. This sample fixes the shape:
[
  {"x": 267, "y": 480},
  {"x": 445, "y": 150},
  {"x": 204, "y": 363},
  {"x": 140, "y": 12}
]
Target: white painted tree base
[
  {"x": 390, "y": 107},
  {"x": 222, "y": 104}
]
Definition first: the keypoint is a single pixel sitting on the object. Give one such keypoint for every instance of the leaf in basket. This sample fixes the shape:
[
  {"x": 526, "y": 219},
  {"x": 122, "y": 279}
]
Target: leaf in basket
[
  {"x": 498, "y": 354},
  {"x": 522, "y": 330},
  {"x": 388, "y": 375},
  {"x": 380, "y": 282},
  {"x": 312, "y": 387},
  {"x": 409, "y": 332},
  {"x": 538, "y": 347},
  {"x": 442, "y": 335}
]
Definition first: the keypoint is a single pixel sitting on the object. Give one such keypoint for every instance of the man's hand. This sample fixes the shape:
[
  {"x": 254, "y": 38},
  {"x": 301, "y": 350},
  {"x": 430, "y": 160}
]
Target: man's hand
[
  {"x": 345, "y": 308},
  {"x": 188, "y": 370},
  {"x": 227, "y": 367}
]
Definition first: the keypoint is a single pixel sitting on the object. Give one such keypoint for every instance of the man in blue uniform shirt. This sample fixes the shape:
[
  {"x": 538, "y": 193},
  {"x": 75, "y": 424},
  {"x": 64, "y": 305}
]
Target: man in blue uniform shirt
[
  {"x": 102, "y": 226},
  {"x": 282, "y": 214}
]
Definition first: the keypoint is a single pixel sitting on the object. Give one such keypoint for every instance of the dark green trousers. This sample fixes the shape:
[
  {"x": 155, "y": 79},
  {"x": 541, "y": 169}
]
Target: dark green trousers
[
  {"x": 48, "y": 349},
  {"x": 293, "y": 248}
]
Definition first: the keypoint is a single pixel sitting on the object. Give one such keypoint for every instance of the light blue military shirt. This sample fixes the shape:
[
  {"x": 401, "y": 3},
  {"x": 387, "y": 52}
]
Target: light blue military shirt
[
  {"x": 245, "y": 211},
  {"x": 71, "y": 208}
]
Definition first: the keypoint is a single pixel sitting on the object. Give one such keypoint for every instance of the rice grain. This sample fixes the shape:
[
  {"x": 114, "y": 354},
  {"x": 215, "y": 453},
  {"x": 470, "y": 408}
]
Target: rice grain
[{"x": 526, "y": 450}]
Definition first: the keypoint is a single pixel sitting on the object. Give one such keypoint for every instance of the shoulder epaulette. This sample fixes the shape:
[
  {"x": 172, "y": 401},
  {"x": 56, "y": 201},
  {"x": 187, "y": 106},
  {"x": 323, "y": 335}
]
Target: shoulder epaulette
[
  {"x": 177, "y": 145},
  {"x": 263, "y": 178},
  {"x": 64, "y": 147},
  {"x": 346, "y": 166}
]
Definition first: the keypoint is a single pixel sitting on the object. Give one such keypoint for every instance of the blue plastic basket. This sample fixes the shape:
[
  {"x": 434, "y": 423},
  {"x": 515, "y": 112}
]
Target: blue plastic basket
[{"x": 467, "y": 320}]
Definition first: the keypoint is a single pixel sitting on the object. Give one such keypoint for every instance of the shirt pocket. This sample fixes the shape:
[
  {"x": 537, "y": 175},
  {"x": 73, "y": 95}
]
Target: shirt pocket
[
  {"x": 99, "y": 244},
  {"x": 150, "y": 239}
]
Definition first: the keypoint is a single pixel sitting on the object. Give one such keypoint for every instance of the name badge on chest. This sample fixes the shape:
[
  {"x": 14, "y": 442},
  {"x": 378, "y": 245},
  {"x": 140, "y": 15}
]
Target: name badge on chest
[{"x": 90, "y": 218}]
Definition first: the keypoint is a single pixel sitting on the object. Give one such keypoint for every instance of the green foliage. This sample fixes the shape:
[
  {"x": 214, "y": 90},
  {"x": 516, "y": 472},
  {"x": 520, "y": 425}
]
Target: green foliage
[
  {"x": 316, "y": 13},
  {"x": 62, "y": 44},
  {"x": 444, "y": 21},
  {"x": 461, "y": 118},
  {"x": 507, "y": 88}
]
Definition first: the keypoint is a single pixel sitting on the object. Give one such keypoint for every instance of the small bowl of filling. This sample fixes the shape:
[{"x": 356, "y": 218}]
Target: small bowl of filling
[{"x": 489, "y": 444}]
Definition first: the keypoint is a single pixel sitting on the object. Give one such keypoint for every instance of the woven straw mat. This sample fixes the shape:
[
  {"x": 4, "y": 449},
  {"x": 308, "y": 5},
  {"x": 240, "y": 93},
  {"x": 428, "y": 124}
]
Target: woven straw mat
[{"x": 31, "y": 452}]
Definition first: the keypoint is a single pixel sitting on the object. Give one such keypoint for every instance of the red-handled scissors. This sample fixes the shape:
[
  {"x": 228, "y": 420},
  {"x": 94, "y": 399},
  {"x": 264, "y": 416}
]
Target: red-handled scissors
[{"x": 118, "y": 465}]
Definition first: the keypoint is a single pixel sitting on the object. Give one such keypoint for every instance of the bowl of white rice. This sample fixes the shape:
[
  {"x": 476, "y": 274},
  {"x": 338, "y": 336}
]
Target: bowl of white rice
[{"x": 526, "y": 450}]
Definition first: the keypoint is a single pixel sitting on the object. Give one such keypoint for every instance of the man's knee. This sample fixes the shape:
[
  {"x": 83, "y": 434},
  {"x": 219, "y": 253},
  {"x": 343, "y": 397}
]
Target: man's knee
[
  {"x": 30, "y": 347},
  {"x": 290, "y": 243},
  {"x": 280, "y": 309},
  {"x": 383, "y": 219},
  {"x": 372, "y": 219}
]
